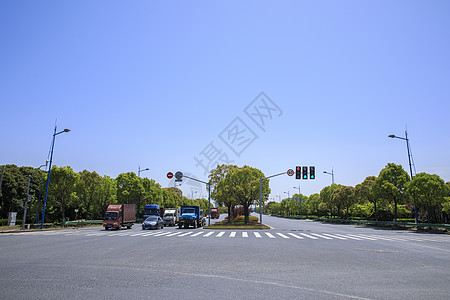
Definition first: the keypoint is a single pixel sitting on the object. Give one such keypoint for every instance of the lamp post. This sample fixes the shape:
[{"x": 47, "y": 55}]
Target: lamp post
[
  {"x": 49, "y": 169},
  {"x": 25, "y": 208},
  {"x": 141, "y": 170},
  {"x": 300, "y": 200},
  {"x": 332, "y": 175},
  {"x": 408, "y": 149},
  {"x": 139, "y": 200}
]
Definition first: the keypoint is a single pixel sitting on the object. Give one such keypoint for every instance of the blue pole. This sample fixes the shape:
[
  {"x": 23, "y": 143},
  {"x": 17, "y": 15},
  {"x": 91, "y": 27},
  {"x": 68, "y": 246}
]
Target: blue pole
[{"x": 48, "y": 179}]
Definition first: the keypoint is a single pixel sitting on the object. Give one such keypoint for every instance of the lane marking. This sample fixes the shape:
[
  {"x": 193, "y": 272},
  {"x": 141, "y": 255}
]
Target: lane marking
[
  {"x": 257, "y": 234},
  {"x": 173, "y": 234},
  {"x": 232, "y": 234},
  {"x": 220, "y": 234},
  {"x": 321, "y": 236},
  {"x": 186, "y": 233},
  {"x": 309, "y": 236},
  {"x": 282, "y": 235},
  {"x": 245, "y": 234},
  {"x": 334, "y": 236},
  {"x": 198, "y": 233},
  {"x": 269, "y": 235},
  {"x": 208, "y": 234},
  {"x": 296, "y": 236},
  {"x": 348, "y": 237}
]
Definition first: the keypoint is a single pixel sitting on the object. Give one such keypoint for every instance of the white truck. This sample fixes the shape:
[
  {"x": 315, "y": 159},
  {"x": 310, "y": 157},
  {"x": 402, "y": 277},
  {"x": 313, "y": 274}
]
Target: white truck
[{"x": 171, "y": 216}]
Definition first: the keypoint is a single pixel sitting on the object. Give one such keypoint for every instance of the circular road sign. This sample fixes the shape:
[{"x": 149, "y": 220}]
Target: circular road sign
[
  {"x": 169, "y": 175},
  {"x": 290, "y": 172},
  {"x": 179, "y": 175}
]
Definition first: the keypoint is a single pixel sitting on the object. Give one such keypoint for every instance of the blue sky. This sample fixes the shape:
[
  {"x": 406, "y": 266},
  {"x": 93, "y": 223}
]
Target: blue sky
[{"x": 154, "y": 83}]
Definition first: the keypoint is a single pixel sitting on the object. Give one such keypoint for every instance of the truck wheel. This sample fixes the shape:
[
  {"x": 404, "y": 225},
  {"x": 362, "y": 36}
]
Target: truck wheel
[
  {"x": 128, "y": 227},
  {"x": 195, "y": 224},
  {"x": 106, "y": 228},
  {"x": 179, "y": 226}
]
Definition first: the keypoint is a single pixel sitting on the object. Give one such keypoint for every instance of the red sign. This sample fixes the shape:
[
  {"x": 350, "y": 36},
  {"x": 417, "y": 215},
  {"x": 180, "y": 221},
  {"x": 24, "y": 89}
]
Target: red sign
[
  {"x": 169, "y": 175},
  {"x": 290, "y": 172}
]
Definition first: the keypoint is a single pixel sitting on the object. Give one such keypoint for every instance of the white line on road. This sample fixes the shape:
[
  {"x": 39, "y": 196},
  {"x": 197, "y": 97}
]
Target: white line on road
[
  {"x": 186, "y": 233},
  {"x": 176, "y": 233},
  {"x": 257, "y": 234},
  {"x": 269, "y": 235},
  {"x": 220, "y": 234},
  {"x": 232, "y": 234},
  {"x": 296, "y": 236},
  {"x": 198, "y": 233},
  {"x": 208, "y": 234},
  {"x": 282, "y": 235},
  {"x": 245, "y": 234},
  {"x": 321, "y": 236},
  {"x": 334, "y": 236},
  {"x": 309, "y": 236}
]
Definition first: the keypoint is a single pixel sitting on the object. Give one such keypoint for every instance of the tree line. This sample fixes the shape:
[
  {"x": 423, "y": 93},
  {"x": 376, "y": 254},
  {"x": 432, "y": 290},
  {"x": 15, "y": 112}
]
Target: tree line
[
  {"x": 86, "y": 191},
  {"x": 389, "y": 196}
]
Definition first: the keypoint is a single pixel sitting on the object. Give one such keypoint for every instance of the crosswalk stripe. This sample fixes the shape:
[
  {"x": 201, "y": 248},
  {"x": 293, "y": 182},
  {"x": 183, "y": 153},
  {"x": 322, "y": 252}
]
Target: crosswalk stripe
[
  {"x": 176, "y": 233},
  {"x": 296, "y": 236},
  {"x": 362, "y": 237},
  {"x": 208, "y": 234},
  {"x": 198, "y": 233},
  {"x": 348, "y": 237},
  {"x": 220, "y": 234},
  {"x": 334, "y": 236},
  {"x": 309, "y": 236},
  {"x": 321, "y": 236},
  {"x": 233, "y": 234},
  {"x": 257, "y": 234},
  {"x": 245, "y": 234},
  {"x": 269, "y": 235},
  {"x": 282, "y": 235},
  {"x": 138, "y": 234},
  {"x": 163, "y": 233},
  {"x": 186, "y": 233}
]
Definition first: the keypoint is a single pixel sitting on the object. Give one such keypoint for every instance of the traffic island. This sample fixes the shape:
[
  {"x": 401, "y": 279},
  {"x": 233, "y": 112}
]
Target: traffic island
[{"x": 239, "y": 223}]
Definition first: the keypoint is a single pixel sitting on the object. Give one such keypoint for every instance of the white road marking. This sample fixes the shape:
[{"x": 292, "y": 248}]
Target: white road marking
[
  {"x": 257, "y": 234},
  {"x": 309, "y": 236},
  {"x": 334, "y": 236},
  {"x": 321, "y": 236},
  {"x": 244, "y": 234},
  {"x": 186, "y": 233},
  {"x": 296, "y": 236},
  {"x": 208, "y": 234},
  {"x": 282, "y": 235},
  {"x": 269, "y": 235},
  {"x": 220, "y": 234},
  {"x": 198, "y": 233},
  {"x": 232, "y": 234}
]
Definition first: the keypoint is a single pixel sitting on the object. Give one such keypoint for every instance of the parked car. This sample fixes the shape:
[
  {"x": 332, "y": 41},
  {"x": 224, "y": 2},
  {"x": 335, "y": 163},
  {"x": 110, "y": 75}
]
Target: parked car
[{"x": 153, "y": 222}]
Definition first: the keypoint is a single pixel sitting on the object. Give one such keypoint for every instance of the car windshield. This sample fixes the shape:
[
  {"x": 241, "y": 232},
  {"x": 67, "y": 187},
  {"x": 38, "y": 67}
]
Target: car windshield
[
  {"x": 189, "y": 211},
  {"x": 168, "y": 215},
  {"x": 151, "y": 219},
  {"x": 111, "y": 215}
]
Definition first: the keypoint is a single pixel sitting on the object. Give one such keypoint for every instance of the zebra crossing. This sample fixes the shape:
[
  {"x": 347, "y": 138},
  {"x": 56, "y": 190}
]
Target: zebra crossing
[{"x": 273, "y": 234}]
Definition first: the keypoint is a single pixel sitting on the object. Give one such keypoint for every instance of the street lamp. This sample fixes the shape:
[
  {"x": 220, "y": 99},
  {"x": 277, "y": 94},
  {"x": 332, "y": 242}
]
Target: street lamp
[
  {"x": 288, "y": 194},
  {"x": 332, "y": 175},
  {"x": 139, "y": 200},
  {"x": 299, "y": 199},
  {"x": 49, "y": 169},
  {"x": 141, "y": 170},
  {"x": 408, "y": 149}
]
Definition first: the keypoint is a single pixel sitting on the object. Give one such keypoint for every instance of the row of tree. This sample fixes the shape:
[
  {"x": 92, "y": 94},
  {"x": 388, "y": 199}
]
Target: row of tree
[
  {"x": 389, "y": 196},
  {"x": 88, "y": 192}
]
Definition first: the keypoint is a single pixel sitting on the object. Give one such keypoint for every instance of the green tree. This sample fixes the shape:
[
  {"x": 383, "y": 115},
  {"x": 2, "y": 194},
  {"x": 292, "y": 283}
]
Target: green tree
[
  {"x": 325, "y": 198},
  {"x": 313, "y": 203},
  {"x": 87, "y": 189},
  {"x": 243, "y": 186},
  {"x": 428, "y": 193},
  {"x": 364, "y": 193},
  {"x": 107, "y": 194},
  {"x": 221, "y": 192},
  {"x": 344, "y": 197},
  {"x": 61, "y": 188},
  {"x": 391, "y": 184}
]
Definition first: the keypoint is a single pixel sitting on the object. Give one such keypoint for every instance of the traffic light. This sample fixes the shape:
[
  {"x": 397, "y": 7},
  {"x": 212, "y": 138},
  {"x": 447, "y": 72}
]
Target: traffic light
[
  {"x": 312, "y": 172},
  {"x": 305, "y": 172},
  {"x": 298, "y": 172}
]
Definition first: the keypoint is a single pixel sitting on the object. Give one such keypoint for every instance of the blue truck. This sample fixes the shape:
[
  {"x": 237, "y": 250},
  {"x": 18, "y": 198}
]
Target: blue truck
[
  {"x": 152, "y": 210},
  {"x": 191, "y": 215}
]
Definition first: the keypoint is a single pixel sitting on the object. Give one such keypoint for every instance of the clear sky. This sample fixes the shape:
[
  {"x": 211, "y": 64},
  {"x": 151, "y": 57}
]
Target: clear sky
[{"x": 165, "y": 84}]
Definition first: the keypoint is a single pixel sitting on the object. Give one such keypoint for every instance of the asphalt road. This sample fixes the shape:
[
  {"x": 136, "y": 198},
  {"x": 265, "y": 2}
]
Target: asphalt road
[{"x": 294, "y": 260}]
